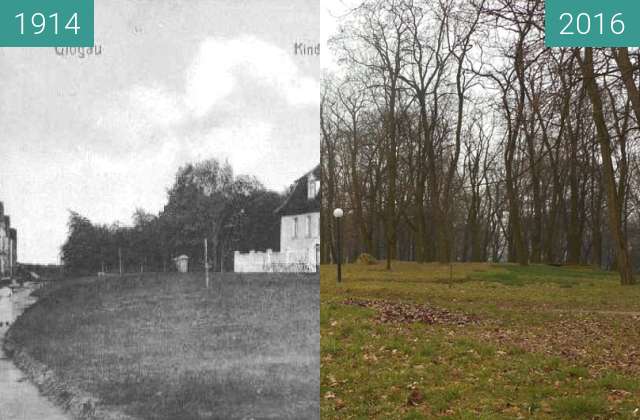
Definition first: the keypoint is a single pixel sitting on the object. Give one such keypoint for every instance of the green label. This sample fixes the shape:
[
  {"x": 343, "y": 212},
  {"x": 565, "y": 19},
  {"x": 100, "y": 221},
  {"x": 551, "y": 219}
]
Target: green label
[
  {"x": 592, "y": 23},
  {"x": 46, "y": 23}
]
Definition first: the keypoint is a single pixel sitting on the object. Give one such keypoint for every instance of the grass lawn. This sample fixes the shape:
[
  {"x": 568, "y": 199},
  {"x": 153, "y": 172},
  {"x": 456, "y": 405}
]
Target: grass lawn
[
  {"x": 164, "y": 347},
  {"x": 485, "y": 341}
]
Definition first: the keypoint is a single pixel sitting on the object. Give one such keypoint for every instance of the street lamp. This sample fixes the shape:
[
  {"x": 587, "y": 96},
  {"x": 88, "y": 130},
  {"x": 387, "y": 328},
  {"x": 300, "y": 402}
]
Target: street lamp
[{"x": 338, "y": 213}]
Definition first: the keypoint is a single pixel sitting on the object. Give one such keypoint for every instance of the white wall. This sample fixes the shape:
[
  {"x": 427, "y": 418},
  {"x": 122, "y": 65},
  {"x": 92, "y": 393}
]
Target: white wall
[
  {"x": 297, "y": 248},
  {"x": 274, "y": 262},
  {"x": 290, "y": 240}
]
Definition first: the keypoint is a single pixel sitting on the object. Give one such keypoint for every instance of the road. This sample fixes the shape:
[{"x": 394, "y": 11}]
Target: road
[{"x": 19, "y": 398}]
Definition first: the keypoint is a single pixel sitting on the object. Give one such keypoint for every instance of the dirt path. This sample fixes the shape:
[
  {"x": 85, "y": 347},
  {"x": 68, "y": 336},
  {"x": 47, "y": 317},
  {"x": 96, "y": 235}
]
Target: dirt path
[{"x": 19, "y": 398}]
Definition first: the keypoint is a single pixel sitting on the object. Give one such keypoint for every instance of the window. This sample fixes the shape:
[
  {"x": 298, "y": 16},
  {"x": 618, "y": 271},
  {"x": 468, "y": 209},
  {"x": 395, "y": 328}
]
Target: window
[
  {"x": 308, "y": 226},
  {"x": 312, "y": 189},
  {"x": 295, "y": 227}
]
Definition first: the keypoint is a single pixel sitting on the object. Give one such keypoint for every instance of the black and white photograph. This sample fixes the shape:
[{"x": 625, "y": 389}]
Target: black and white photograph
[{"x": 160, "y": 216}]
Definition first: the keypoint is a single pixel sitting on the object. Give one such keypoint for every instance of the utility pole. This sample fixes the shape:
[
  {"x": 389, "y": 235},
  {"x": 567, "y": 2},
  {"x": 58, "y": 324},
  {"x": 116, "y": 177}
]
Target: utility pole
[
  {"x": 206, "y": 263},
  {"x": 120, "y": 259},
  {"x": 222, "y": 258}
]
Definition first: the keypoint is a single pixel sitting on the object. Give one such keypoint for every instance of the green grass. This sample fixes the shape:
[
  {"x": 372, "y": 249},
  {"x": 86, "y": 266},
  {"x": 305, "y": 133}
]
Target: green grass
[
  {"x": 551, "y": 342},
  {"x": 580, "y": 407},
  {"x": 513, "y": 275},
  {"x": 164, "y": 347}
]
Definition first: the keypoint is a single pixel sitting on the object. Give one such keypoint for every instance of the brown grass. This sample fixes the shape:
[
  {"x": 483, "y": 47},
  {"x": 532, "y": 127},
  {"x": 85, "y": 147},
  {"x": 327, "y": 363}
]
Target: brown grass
[{"x": 549, "y": 342}]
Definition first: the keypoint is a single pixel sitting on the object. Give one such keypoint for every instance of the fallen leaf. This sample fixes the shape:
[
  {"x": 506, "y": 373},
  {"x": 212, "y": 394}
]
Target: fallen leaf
[{"x": 415, "y": 397}]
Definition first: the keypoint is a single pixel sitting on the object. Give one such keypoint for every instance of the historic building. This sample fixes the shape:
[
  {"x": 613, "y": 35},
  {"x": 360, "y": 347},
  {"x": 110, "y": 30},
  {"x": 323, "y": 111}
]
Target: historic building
[
  {"x": 300, "y": 220},
  {"x": 299, "y": 232},
  {"x": 8, "y": 245}
]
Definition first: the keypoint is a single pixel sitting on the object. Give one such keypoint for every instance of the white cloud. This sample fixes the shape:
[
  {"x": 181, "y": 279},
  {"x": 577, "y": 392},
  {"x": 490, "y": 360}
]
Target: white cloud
[
  {"x": 219, "y": 66},
  {"x": 137, "y": 119},
  {"x": 244, "y": 144},
  {"x": 157, "y": 104},
  {"x": 212, "y": 76}
]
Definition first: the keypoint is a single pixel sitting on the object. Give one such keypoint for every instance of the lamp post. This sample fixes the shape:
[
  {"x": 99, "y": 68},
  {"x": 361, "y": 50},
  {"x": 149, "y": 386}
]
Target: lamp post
[{"x": 337, "y": 214}]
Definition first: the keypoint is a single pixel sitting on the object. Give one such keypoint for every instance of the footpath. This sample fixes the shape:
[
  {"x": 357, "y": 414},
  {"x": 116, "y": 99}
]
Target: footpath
[{"x": 19, "y": 398}]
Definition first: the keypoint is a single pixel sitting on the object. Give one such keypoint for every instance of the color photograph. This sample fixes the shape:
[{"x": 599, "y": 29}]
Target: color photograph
[{"x": 480, "y": 215}]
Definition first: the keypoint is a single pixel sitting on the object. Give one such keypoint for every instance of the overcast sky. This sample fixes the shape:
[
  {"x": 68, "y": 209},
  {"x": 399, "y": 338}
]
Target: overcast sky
[
  {"x": 330, "y": 11},
  {"x": 176, "y": 82}
]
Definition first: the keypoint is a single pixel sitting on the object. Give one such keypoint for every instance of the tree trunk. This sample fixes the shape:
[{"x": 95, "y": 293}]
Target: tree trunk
[
  {"x": 574, "y": 238},
  {"x": 613, "y": 201}
]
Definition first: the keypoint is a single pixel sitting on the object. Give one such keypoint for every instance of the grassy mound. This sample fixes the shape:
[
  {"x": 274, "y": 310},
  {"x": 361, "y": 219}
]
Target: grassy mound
[
  {"x": 164, "y": 347},
  {"x": 366, "y": 259}
]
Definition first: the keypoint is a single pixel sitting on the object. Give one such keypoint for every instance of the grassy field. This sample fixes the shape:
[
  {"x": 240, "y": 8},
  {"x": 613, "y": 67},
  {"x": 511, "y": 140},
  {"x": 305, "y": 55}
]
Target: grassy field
[
  {"x": 164, "y": 347},
  {"x": 478, "y": 341}
]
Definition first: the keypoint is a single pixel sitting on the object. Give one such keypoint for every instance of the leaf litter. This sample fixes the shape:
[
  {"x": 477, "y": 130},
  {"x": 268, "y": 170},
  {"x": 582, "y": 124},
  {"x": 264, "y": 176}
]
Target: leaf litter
[{"x": 407, "y": 313}]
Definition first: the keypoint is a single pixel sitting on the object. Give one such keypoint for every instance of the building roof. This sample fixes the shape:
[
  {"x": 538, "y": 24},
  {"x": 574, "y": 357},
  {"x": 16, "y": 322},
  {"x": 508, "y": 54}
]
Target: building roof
[{"x": 298, "y": 201}]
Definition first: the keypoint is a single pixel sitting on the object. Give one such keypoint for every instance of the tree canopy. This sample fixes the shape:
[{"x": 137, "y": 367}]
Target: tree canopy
[{"x": 206, "y": 200}]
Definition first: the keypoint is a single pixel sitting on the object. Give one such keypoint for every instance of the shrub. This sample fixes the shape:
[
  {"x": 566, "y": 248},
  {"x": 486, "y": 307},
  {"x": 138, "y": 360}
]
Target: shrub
[{"x": 366, "y": 259}]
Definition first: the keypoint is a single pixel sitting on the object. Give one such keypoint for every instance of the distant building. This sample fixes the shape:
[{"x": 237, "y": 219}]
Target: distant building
[
  {"x": 299, "y": 232},
  {"x": 8, "y": 245},
  {"x": 182, "y": 263}
]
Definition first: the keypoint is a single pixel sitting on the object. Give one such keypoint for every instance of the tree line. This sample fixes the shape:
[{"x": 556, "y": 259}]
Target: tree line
[
  {"x": 450, "y": 133},
  {"x": 205, "y": 201}
]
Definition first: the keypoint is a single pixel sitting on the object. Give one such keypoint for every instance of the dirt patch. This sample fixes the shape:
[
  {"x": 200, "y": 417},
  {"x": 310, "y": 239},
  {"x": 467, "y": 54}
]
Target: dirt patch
[{"x": 393, "y": 312}]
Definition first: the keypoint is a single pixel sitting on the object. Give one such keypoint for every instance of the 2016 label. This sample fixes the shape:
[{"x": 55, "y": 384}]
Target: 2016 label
[
  {"x": 582, "y": 24},
  {"x": 592, "y": 23}
]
